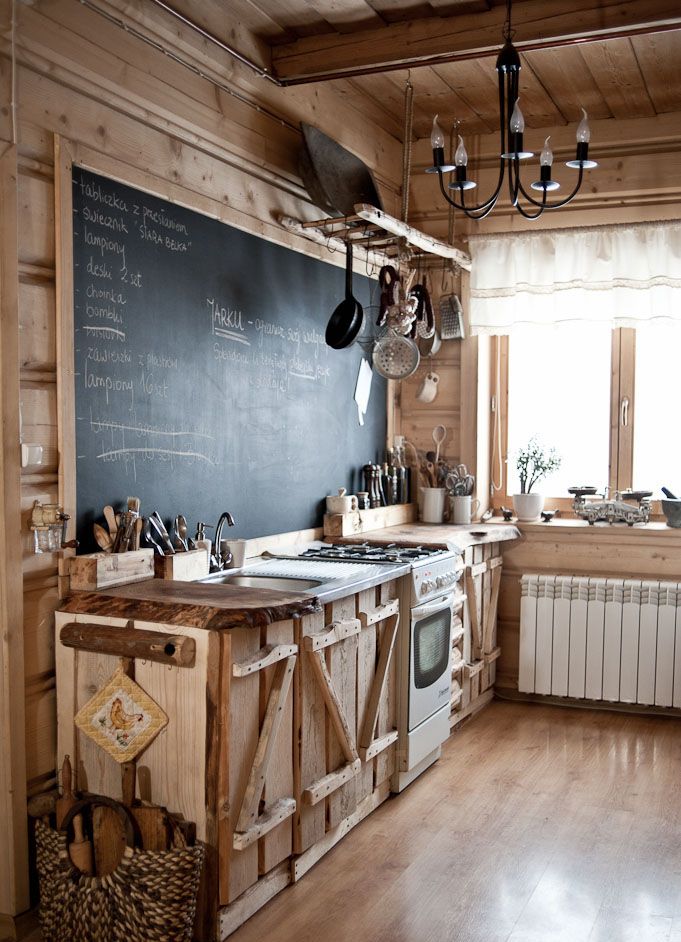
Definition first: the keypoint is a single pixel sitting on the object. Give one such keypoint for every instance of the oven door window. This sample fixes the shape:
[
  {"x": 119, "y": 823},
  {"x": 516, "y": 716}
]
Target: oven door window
[{"x": 431, "y": 648}]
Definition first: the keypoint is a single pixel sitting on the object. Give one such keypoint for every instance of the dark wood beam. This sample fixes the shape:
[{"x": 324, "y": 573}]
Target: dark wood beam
[{"x": 536, "y": 24}]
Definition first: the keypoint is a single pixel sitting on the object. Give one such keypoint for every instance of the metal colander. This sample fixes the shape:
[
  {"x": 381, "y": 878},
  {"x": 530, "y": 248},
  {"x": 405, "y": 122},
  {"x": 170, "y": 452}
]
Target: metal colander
[{"x": 395, "y": 357}]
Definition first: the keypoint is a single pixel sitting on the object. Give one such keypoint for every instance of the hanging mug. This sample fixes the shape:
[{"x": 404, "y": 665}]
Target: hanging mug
[{"x": 428, "y": 389}]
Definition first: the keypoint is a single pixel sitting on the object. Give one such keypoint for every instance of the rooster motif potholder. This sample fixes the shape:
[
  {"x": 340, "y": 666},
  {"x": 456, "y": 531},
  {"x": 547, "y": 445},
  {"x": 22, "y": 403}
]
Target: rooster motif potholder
[{"x": 121, "y": 718}]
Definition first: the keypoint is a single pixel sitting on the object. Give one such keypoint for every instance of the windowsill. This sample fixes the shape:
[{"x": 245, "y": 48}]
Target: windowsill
[{"x": 564, "y": 527}]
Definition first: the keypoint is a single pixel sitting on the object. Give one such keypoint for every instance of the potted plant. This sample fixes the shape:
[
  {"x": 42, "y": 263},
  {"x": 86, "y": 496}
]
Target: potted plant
[{"x": 533, "y": 462}]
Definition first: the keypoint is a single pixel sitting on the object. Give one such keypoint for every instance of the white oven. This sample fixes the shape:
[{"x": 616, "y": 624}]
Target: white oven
[{"x": 431, "y": 594}]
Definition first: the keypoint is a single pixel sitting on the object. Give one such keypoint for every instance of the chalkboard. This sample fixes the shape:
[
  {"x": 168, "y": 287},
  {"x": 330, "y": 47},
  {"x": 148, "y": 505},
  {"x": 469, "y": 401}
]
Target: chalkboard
[{"x": 203, "y": 381}]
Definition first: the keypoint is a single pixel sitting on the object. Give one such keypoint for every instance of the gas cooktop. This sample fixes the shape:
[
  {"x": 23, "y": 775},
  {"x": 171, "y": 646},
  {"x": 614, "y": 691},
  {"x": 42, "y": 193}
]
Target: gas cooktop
[{"x": 372, "y": 553}]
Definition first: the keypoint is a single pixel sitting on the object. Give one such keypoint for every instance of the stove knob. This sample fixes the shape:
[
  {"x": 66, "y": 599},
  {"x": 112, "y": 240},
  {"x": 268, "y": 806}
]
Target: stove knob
[
  {"x": 424, "y": 588},
  {"x": 427, "y": 586},
  {"x": 440, "y": 581}
]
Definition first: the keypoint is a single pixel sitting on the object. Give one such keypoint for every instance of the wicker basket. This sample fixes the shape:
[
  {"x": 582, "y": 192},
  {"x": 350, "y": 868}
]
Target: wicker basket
[{"x": 150, "y": 896}]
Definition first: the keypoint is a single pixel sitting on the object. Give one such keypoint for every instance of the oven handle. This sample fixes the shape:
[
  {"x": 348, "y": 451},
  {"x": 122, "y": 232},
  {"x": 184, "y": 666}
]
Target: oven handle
[{"x": 443, "y": 601}]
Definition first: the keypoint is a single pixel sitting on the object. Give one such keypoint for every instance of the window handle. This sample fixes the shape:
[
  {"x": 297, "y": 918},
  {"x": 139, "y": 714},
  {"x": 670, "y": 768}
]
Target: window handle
[{"x": 624, "y": 411}]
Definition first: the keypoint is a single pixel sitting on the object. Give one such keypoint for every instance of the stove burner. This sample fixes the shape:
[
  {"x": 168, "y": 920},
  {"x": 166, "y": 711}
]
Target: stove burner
[{"x": 368, "y": 552}]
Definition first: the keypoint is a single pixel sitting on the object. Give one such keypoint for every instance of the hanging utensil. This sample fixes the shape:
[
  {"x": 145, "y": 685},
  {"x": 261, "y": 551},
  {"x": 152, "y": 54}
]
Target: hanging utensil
[
  {"x": 346, "y": 321},
  {"x": 395, "y": 357},
  {"x": 439, "y": 435}
]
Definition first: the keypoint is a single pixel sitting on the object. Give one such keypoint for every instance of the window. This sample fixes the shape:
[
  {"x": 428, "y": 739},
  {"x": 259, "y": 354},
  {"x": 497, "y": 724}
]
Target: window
[{"x": 606, "y": 399}]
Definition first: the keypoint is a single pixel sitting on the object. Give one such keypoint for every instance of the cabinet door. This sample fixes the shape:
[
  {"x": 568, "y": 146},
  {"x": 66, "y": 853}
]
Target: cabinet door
[
  {"x": 255, "y": 798},
  {"x": 345, "y": 710},
  {"x": 482, "y": 583}
]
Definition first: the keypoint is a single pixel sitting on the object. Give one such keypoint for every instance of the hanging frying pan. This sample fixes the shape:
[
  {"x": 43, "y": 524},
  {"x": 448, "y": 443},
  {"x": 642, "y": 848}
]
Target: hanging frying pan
[{"x": 346, "y": 321}]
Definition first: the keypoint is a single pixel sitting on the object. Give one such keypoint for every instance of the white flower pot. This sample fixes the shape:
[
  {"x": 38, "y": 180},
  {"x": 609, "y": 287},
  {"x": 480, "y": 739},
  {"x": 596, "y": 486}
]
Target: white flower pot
[{"x": 528, "y": 506}]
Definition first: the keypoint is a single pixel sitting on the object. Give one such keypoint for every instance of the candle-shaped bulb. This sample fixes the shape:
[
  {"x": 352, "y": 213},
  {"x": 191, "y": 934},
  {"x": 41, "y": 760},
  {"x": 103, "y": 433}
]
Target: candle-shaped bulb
[
  {"x": 437, "y": 137},
  {"x": 583, "y": 130},
  {"x": 546, "y": 156},
  {"x": 517, "y": 123},
  {"x": 461, "y": 155}
]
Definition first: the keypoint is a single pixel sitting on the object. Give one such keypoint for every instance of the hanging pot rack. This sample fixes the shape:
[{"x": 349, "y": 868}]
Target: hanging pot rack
[{"x": 380, "y": 235}]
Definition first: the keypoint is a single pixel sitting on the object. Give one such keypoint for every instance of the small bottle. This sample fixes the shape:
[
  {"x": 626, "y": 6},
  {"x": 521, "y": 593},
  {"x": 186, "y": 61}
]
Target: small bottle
[{"x": 202, "y": 540}]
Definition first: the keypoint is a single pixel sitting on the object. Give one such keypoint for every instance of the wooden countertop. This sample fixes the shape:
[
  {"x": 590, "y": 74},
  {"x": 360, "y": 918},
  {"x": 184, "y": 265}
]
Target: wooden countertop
[
  {"x": 438, "y": 534},
  {"x": 192, "y": 603}
]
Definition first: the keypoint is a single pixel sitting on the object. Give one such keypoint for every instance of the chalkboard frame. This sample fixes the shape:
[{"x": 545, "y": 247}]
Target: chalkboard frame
[{"x": 69, "y": 153}]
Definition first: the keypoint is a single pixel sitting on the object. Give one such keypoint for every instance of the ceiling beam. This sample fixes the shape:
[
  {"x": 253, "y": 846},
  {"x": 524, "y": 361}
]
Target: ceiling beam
[{"x": 433, "y": 40}]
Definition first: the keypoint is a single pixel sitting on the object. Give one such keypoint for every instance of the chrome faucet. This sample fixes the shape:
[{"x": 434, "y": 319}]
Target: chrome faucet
[{"x": 220, "y": 560}]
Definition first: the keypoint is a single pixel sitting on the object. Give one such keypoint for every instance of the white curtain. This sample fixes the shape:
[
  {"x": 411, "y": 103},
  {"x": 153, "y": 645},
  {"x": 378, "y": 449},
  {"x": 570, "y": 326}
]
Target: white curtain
[{"x": 625, "y": 276}]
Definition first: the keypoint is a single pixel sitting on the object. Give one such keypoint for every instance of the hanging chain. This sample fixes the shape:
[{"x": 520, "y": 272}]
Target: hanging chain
[
  {"x": 406, "y": 148},
  {"x": 508, "y": 31}
]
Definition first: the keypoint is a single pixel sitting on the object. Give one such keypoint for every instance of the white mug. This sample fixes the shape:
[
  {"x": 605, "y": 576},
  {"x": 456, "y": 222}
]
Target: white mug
[
  {"x": 463, "y": 508},
  {"x": 238, "y": 550},
  {"x": 433, "y": 504},
  {"x": 341, "y": 504},
  {"x": 428, "y": 388}
]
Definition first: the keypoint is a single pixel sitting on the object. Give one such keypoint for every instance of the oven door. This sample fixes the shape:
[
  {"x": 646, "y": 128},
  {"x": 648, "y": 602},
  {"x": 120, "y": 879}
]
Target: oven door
[{"x": 430, "y": 645}]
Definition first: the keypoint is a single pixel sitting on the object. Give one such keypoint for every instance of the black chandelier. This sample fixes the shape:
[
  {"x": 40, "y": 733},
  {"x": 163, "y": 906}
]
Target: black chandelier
[{"x": 511, "y": 128}]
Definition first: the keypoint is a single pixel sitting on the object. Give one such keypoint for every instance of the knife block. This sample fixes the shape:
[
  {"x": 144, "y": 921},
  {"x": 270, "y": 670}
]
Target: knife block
[
  {"x": 182, "y": 567},
  {"x": 105, "y": 570}
]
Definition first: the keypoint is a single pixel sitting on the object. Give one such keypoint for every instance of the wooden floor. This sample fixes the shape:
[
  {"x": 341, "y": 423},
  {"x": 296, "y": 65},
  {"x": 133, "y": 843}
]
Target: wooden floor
[{"x": 539, "y": 824}]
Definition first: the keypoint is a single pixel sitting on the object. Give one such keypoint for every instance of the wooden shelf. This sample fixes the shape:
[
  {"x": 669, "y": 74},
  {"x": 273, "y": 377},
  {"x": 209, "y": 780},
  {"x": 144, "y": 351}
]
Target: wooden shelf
[{"x": 380, "y": 235}]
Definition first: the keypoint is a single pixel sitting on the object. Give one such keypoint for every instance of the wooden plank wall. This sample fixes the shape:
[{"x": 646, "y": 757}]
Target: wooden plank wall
[
  {"x": 13, "y": 851},
  {"x": 144, "y": 117}
]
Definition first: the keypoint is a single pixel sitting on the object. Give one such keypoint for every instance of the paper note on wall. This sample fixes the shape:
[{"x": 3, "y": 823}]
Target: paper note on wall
[{"x": 363, "y": 389}]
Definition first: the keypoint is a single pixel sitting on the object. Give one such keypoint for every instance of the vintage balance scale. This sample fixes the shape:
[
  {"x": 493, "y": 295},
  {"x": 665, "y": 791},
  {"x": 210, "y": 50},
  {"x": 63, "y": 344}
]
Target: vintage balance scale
[{"x": 628, "y": 507}]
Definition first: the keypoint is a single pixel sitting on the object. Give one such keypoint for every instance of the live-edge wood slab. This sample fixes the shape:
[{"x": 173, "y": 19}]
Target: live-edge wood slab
[{"x": 197, "y": 605}]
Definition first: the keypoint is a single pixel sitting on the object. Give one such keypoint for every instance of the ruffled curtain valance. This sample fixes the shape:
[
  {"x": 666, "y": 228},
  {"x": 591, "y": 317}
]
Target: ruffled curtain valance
[{"x": 625, "y": 276}]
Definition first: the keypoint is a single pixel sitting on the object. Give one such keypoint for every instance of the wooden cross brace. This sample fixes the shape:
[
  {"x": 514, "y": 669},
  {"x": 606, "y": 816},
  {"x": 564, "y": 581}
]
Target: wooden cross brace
[{"x": 250, "y": 827}]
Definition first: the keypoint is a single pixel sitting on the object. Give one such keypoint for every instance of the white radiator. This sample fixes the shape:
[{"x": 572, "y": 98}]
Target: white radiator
[{"x": 601, "y": 639}]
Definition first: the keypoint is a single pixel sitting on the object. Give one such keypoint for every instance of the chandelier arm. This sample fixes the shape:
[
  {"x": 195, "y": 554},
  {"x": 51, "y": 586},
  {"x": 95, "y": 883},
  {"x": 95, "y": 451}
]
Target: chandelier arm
[
  {"x": 559, "y": 203},
  {"x": 542, "y": 207},
  {"x": 514, "y": 181},
  {"x": 487, "y": 204}
]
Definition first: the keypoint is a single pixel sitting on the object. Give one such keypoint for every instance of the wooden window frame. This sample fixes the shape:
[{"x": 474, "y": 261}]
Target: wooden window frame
[{"x": 622, "y": 386}]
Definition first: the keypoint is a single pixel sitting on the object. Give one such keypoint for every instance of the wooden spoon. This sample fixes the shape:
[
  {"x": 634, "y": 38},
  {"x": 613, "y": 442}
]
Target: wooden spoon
[
  {"x": 103, "y": 539},
  {"x": 439, "y": 435}
]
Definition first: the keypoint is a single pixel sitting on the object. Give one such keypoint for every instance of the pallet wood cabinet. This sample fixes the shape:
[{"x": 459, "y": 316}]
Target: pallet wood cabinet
[
  {"x": 474, "y": 637},
  {"x": 280, "y": 738}
]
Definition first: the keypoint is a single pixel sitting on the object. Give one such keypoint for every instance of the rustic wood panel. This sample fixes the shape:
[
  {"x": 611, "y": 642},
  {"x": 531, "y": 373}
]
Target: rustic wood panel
[
  {"x": 384, "y": 763},
  {"x": 277, "y": 844},
  {"x": 13, "y": 862},
  {"x": 36, "y": 220},
  {"x": 41, "y": 729},
  {"x": 37, "y": 329},
  {"x": 239, "y": 868},
  {"x": 39, "y": 420},
  {"x": 310, "y": 727},
  {"x": 341, "y": 660},
  {"x": 366, "y": 671},
  {"x": 39, "y": 605},
  {"x": 656, "y": 56}
]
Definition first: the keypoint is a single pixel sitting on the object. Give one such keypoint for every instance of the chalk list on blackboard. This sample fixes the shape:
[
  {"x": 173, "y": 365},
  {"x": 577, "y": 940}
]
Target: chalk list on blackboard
[{"x": 203, "y": 380}]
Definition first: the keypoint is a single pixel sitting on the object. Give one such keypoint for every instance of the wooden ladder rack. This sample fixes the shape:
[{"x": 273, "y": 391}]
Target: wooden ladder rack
[{"x": 381, "y": 235}]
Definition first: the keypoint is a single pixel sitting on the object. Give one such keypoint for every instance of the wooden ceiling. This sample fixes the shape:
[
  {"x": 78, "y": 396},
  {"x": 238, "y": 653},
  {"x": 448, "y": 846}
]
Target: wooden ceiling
[{"x": 635, "y": 74}]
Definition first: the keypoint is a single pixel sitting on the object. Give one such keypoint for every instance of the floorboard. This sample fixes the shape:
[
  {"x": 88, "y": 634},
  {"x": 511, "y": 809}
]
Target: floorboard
[{"x": 539, "y": 824}]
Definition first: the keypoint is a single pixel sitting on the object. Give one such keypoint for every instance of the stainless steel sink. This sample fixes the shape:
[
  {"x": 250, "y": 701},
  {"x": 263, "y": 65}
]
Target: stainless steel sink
[{"x": 283, "y": 583}]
